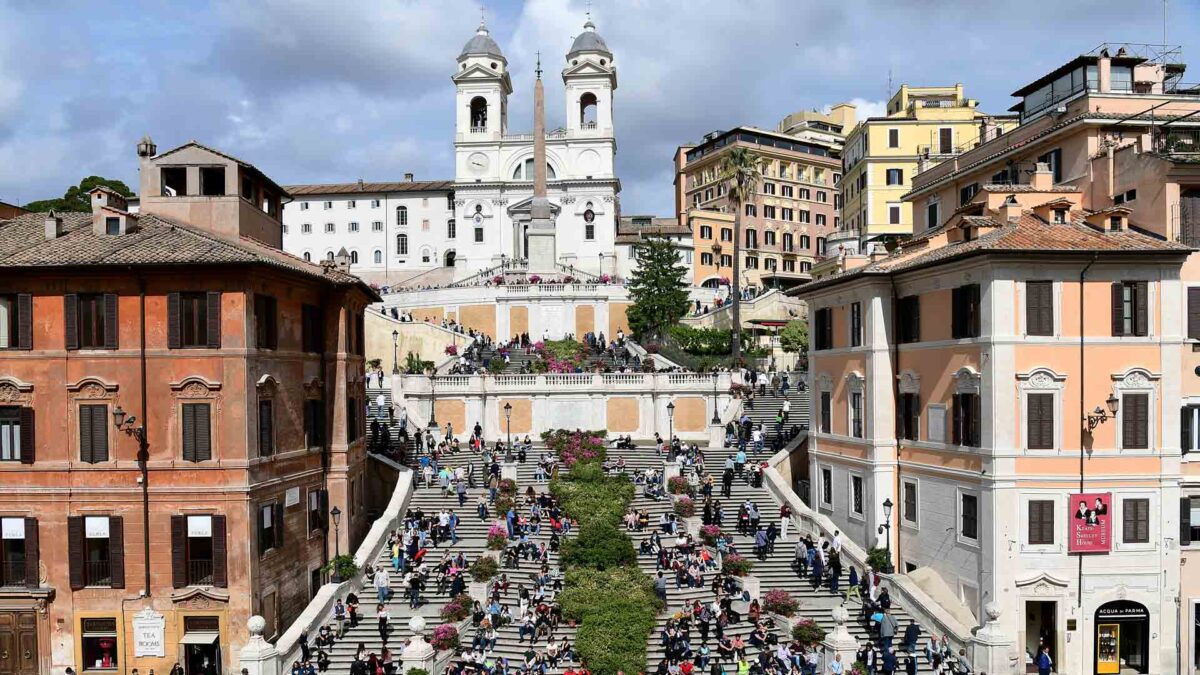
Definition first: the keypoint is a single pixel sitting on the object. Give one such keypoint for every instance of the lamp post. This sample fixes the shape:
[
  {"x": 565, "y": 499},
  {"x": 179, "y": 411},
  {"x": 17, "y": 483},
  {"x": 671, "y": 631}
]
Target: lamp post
[
  {"x": 336, "y": 514},
  {"x": 131, "y": 428},
  {"x": 508, "y": 456},
  {"x": 395, "y": 352},
  {"x": 433, "y": 425},
  {"x": 889, "y": 568},
  {"x": 1100, "y": 415},
  {"x": 670, "y": 422},
  {"x": 716, "y": 418},
  {"x": 600, "y": 269}
]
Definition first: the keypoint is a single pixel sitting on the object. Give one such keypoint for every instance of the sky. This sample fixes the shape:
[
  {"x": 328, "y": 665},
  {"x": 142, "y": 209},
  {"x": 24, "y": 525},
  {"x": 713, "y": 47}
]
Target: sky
[{"x": 321, "y": 91}]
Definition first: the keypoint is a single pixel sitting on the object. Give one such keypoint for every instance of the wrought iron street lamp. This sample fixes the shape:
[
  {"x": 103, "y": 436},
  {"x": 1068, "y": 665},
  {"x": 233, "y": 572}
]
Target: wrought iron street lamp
[
  {"x": 889, "y": 568},
  {"x": 1100, "y": 415},
  {"x": 670, "y": 423},
  {"x": 336, "y": 514},
  {"x": 508, "y": 456},
  {"x": 433, "y": 425},
  {"x": 395, "y": 352},
  {"x": 716, "y": 418}
]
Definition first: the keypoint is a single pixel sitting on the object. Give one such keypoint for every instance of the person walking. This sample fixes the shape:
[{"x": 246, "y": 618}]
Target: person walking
[
  {"x": 384, "y": 621},
  {"x": 382, "y": 588},
  {"x": 887, "y": 631},
  {"x": 1044, "y": 663}
]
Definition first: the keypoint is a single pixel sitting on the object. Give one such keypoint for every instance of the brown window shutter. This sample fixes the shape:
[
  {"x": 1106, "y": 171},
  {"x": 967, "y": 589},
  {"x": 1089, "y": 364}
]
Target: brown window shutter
[
  {"x": 976, "y": 414},
  {"x": 75, "y": 551},
  {"x": 915, "y": 319},
  {"x": 28, "y": 454},
  {"x": 975, "y": 298},
  {"x": 189, "y": 432},
  {"x": 203, "y": 432},
  {"x": 957, "y": 312},
  {"x": 24, "y": 321},
  {"x": 71, "y": 320},
  {"x": 955, "y": 421},
  {"x": 85, "y": 434},
  {"x": 214, "y": 320},
  {"x": 277, "y": 513},
  {"x": 1185, "y": 428},
  {"x": 179, "y": 571},
  {"x": 116, "y": 551},
  {"x": 111, "y": 328},
  {"x": 1143, "y": 521},
  {"x": 32, "y": 560},
  {"x": 1118, "y": 308},
  {"x": 273, "y": 324},
  {"x": 174, "y": 322},
  {"x": 1193, "y": 313},
  {"x": 1041, "y": 421},
  {"x": 324, "y": 501},
  {"x": 1185, "y": 521},
  {"x": 1143, "y": 427},
  {"x": 1141, "y": 300},
  {"x": 220, "y": 573}
]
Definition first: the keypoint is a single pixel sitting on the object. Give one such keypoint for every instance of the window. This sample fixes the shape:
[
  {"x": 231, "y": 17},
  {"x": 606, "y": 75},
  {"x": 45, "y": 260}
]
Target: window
[
  {"x": 751, "y": 262},
  {"x": 1060, "y": 216},
  {"x": 375, "y": 203},
  {"x": 945, "y": 141},
  {"x": 969, "y": 526},
  {"x": 805, "y": 216},
  {"x": 908, "y": 502},
  {"x": 18, "y": 552},
  {"x": 856, "y": 495},
  {"x": 769, "y": 212},
  {"x": 1189, "y": 427},
  {"x": 805, "y": 193},
  {"x": 893, "y": 214},
  {"x": 307, "y": 256},
  {"x": 1129, "y": 308},
  {"x": 1127, "y": 196},
  {"x": 314, "y": 423},
  {"x": 908, "y": 416},
  {"x": 893, "y": 138},
  {"x": 965, "y": 420},
  {"x": 1039, "y": 417},
  {"x": 99, "y": 636},
  {"x": 306, "y": 228},
  {"x": 353, "y": 226},
  {"x": 706, "y": 232},
  {"x": 317, "y": 499},
  {"x": 908, "y": 320},
  {"x": 965, "y": 320},
  {"x": 822, "y": 196},
  {"x": 95, "y": 547},
  {"x": 789, "y": 242},
  {"x": 350, "y": 204},
  {"x": 1054, "y": 159},
  {"x": 966, "y": 194},
  {"x": 91, "y": 320},
  {"x": 931, "y": 215},
  {"x": 402, "y": 216},
  {"x": 451, "y": 229},
  {"x": 789, "y": 266},
  {"x": 821, "y": 219},
  {"x": 805, "y": 241},
  {"x": 895, "y": 176},
  {"x": 751, "y": 239},
  {"x": 769, "y": 237},
  {"x": 1041, "y": 522},
  {"x": 195, "y": 320},
  {"x": 787, "y": 214},
  {"x": 196, "y": 427},
  {"x": 856, "y": 414},
  {"x": 826, "y": 412},
  {"x": 1039, "y": 308},
  {"x": 377, "y": 257},
  {"x": 827, "y": 486},
  {"x": 93, "y": 433},
  {"x": 16, "y": 434},
  {"x": 303, "y": 205},
  {"x": 266, "y": 331},
  {"x": 856, "y": 325},
  {"x": 1135, "y": 421},
  {"x": 330, "y": 228},
  {"x": 328, "y": 205},
  {"x": 478, "y": 234},
  {"x": 312, "y": 322},
  {"x": 270, "y": 527},
  {"x": 768, "y": 188},
  {"x": 786, "y": 190},
  {"x": 266, "y": 428},
  {"x": 377, "y": 226},
  {"x": 820, "y": 246},
  {"x": 174, "y": 181},
  {"x": 402, "y": 244},
  {"x": 706, "y": 258},
  {"x": 1135, "y": 521},
  {"x": 112, "y": 226},
  {"x": 823, "y": 321},
  {"x": 726, "y": 234},
  {"x": 726, "y": 260}
]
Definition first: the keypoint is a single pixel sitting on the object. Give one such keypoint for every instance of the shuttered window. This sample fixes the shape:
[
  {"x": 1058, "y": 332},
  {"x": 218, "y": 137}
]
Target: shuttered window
[
  {"x": 96, "y": 551},
  {"x": 270, "y": 527},
  {"x": 197, "y": 432},
  {"x": 266, "y": 331},
  {"x": 965, "y": 420},
  {"x": 969, "y": 508},
  {"x": 198, "y": 551},
  {"x": 1039, "y": 409},
  {"x": 826, "y": 411},
  {"x": 90, "y": 320},
  {"x": 1135, "y": 421},
  {"x": 1130, "y": 300},
  {"x": 908, "y": 319},
  {"x": 93, "y": 433},
  {"x": 266, "y": 428},
  {"x": 314, "y": 423},
  {"x": 1193, "y": 313},
  {"x": 824, "y": 329},
  {"x": 16, "y": 434},
  {"x": 194, "y": 320},
  {"x": 856, "y": 324},
  {"x": 1135, "y": 521},
  {"x": 1039, "y": 308},
  {"x": 16, "y": 321},
  {"x": 908, "y": 416},
  {"x": 965, "y": 306},
  {"x": 909, "y": 511},
  {"x": 313, "y": 328},
  {"x": 1041, "y": 522},
  {"x": 1189, "y": 426}
]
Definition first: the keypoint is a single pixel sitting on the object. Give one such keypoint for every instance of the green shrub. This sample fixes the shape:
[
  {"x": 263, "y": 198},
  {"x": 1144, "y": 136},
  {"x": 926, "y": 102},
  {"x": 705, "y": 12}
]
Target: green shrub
[
  {"x": 599, "y": 546},
  {"x": 701, "y": 341},
  {"x": 343, "y": 565},
  {"x": 877, "y": 558},
  {"x": 484, "y": 569},
  {"x": 807, "y": 632}
]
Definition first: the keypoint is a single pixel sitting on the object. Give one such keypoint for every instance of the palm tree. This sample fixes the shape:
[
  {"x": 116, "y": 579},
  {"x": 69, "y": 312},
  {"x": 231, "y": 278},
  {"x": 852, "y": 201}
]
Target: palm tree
[{"x": 741, "y": 169}]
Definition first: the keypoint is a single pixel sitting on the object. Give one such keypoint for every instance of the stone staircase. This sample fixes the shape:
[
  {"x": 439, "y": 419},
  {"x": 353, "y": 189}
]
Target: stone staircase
[{"x": 764, "y": 406}]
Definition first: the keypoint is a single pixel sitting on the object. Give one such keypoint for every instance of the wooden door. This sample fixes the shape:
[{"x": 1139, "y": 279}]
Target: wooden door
[{"x": 18, "y": 643}]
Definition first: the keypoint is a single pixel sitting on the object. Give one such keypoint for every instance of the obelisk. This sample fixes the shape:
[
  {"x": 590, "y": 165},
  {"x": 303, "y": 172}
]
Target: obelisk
[{"x": 542, "y": 249}]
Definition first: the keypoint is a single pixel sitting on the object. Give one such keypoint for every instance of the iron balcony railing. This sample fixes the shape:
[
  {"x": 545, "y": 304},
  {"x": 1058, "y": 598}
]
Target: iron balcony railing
[
  {"x": 12, "y": 572},
  {"x": 97, "y": 573},
  {"x": 200, "y": 572}
]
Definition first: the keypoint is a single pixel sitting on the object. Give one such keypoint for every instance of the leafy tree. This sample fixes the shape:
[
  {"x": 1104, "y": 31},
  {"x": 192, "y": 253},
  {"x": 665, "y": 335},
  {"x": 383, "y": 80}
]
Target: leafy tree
[
  {"x": 741, "y": 169},
  {"x": 76, "y": 197},
  {"x": 657, "y": 288},
  {"x": 794, "y": 337}
]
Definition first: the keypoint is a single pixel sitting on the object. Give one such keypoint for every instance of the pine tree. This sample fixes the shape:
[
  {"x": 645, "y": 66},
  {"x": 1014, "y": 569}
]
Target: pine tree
[{"x": 657, "y": 288}]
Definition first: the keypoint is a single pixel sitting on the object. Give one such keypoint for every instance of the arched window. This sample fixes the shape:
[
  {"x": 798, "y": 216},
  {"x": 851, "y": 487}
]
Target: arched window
[
  {"x": 329, "y": 256},
  {"x": 378, "y": 257},
  {"x": 588, "y": 110},
  {"x": 308, "y": 256},
  {"x": 451, "y": 229},
  {"x": 402, "y": 244},
  {"x": 402, "y": 215},
  {"x": 479, "y": 112},
  {"x": 450, "y": 258},
  {"x": 524, "y": 171},
  {"x": 353, "y": 257}
]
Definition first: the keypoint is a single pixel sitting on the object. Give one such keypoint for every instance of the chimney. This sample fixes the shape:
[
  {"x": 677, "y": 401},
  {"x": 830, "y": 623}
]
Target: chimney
[
  {"x": 1010, "y": 210},
  {"x": 987, "y": 130},
  {"x": 1043, "y": 177},
  {"x": 342, "y": 260},
  {"x": 54, "y": 226},
  {"x": 878, "y": 251},
  {"x": 408, "y": 178}
]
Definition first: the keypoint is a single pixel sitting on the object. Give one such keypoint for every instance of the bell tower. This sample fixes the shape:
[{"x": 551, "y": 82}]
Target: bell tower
[
  {"x": 589, "y": 79},
  {"x": 482, "y": 85}
]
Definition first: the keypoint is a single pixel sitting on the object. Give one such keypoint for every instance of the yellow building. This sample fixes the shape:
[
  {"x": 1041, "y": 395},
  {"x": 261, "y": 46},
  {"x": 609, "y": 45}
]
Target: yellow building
[{"x": 923, "y": 127}]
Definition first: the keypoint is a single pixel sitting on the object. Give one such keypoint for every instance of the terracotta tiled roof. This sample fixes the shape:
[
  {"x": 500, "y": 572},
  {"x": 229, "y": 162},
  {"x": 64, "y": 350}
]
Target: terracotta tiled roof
[
  {"x": 367, "y": 188},
  {"x": 1028, "y": 235},
  {"x": 156, "y": 241}
]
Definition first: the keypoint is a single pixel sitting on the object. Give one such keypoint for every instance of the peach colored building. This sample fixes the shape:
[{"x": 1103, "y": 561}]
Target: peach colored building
[{"x": 240, "y": 366}]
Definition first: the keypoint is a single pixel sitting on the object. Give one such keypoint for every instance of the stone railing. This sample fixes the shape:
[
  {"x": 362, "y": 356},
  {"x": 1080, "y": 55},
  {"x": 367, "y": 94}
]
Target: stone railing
[
  {"x": 694, "y": 383},
  {"x": 320, "y": 608}
]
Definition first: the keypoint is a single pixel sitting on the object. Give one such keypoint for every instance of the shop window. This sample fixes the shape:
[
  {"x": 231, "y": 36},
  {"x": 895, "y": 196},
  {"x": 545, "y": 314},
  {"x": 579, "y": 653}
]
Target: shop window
[{"x": 99, "y": 641}]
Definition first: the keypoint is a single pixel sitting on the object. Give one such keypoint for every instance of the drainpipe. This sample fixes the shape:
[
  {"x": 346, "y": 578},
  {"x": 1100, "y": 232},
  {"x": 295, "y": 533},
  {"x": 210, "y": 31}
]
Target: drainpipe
[
  {"x": 1083, "y": 395},
  {"x": 326, "y": 428},
  {"x": 144, "y": 442},
  {"x": 895, "y": 356}
]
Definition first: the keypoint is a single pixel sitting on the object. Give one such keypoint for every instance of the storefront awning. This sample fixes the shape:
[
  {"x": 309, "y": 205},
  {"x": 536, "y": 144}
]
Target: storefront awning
[{"x": 199, "y": 638}]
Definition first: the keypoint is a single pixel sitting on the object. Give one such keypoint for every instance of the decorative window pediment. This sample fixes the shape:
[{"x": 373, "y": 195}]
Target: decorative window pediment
[
  {"x": 824, "y": 382},
  {"x": 910, "y": 382},
  {"x": 966, "y": 380},
  {"x": 1134, "y": 378},
  {"x": 1041, "y": 379}
]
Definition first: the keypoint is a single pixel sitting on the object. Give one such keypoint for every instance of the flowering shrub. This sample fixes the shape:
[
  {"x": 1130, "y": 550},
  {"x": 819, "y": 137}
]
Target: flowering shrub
[
  {"x": 507, "y": 486},
  {"x": 723, "y": 281},
  {"x": 498, "y": 280},
  {"x": 738, "y": 389},
  {"x": 807, "y": 632},
  {"x": 685, "y": 507},
  {"x": 457, "y": 609},
  {"x": 535, "y": 279},
  {"x": 445, "y": 637},
  {"x": 678, "y": 485},
  {"x": 573, "y": 447},
  {"x": 568, "y": 279},
  {"x": 780, "y": 602},
  {"x": 484, "y": 569},
  {"x": 503, "y": 504},
  {"x": 605, "y": 278},
  {"x": 452, "y": 350},
  {"x": 709, "y": 534},
  {"x": 497, "y": 537},
  {"x": 736, "y": 565},
  {"x": 653, "y": 348}
]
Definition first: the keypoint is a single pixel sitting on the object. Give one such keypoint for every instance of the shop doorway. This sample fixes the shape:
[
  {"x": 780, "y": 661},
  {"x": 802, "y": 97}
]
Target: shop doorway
[
  {"x": 1041, "y": 629},
  {"x": 1122, "y": 638},
  {"x": 201, "y": 644},
  {"x": 18, "y": 640}
]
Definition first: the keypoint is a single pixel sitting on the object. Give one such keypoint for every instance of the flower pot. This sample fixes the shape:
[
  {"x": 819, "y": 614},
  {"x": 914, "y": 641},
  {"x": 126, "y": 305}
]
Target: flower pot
[{"x": 478, "y": 590}]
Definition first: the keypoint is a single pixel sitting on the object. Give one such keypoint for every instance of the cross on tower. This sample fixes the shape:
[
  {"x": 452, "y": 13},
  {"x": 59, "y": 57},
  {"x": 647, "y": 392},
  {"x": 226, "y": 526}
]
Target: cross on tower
[{"x": 539, "y": 65}]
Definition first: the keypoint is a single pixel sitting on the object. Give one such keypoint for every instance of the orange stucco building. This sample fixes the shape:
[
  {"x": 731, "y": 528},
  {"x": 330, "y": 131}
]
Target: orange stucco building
[{"x": 240, "y": 366}]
